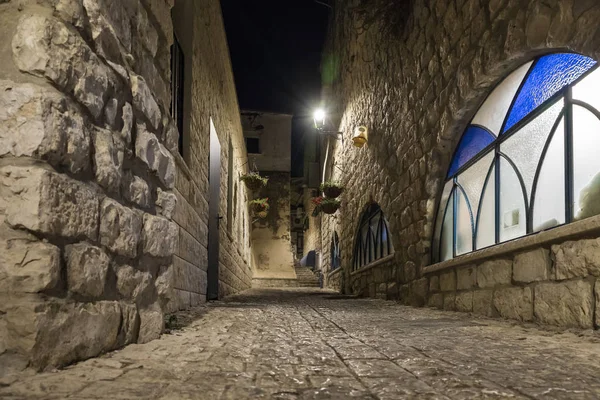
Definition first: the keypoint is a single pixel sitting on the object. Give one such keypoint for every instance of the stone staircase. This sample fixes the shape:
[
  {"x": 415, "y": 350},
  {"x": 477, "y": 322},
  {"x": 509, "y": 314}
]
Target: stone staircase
[{"x": 306, "y": 278}]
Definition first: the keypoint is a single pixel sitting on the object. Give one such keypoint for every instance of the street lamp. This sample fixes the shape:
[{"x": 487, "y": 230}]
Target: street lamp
[{"x": 320, "y": 119}]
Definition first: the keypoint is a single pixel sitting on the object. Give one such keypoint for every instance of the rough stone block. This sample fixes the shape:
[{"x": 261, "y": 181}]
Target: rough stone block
[
  {"x": 165, "y": 287},
  {"x": 577, "y": 259},
  {"x": 160, "y": 236},
  {"x": 48, "y": 203},
  {"x": 418, "y": 291},
  {"x": 448, "y": 281},
  {"x": 151, "y": 323},
  {"x": 436, "y": 301},
  {"x": 126, "y": 130},
  {"x": 494, "y": 273},
  {"x": 450, "y": 302},
  {"x": 155, "y": 156},
  {"x": 45, "y": 47},
  {"x": 144, "y": 101},
  {"x": 87, "y": 268},
  {"x": 51, "y": 332},
  {"x": 482, "y": 302},
  {"x": 136, "y": 190},
  {"x": 109, "y": 153},
  {"x": 391, "y": 294},
  {"x": 532, "y": 266},
  {"x": 131, "y": 324},
  {"x": 514, "y": 303},
  {"x": 465, "y": 278},
  {"x": 26, "y": 264},
  {"x": 434, "y": 283},
  {"x": 135, "y": 285},
  {"x": 565, "y": 304},
  {"x": 120, "y": 228},
  {"x": 166, "y": 202},
  {"x": 464, "y": 302},
  {"x": 42, "y": 123}
]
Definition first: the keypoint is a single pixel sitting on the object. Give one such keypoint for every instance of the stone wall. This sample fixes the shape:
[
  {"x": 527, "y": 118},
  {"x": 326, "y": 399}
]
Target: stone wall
[
  {"x": 90, "y": 179},
  {"x": 213, "y": 97},
  {"x": 271, "y": 236},
  {"x": 415, "y": 75}
]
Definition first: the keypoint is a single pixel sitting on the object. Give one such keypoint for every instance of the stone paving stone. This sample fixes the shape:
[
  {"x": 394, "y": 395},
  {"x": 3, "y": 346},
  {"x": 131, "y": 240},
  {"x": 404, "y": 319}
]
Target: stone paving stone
[{"x": 302, "y": 344}]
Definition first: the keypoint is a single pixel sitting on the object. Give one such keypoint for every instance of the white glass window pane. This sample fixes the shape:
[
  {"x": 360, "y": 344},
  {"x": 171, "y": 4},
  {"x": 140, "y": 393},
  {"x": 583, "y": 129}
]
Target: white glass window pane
[
  {"x": 384, "y": 239},
  {"x": 440, "y": 215},
  {"x": 365, "y": 245},
  {"x": 375, "y": 237},
  {"x": 493, "y": 111},
  {"x": 472, "y": 180},
  {"x": 464, "y": 231},
  {"x": 525, "y": 147},
  {"x": 588, "y": 89},
  {"x": 447, "y": 232},
  {"x": 486, "y": 225},
  {"x": 586, "y": 163},
  {"x": 549, "y": 205},
  {"x": 513, "y": 221}
]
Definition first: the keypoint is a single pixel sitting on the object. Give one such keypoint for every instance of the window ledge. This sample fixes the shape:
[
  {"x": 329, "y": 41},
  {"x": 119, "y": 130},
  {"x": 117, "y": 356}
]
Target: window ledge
[
  {"x": 334, "y": 272},
  {"x": 575, "y": 230},
  {"x": 374, "y": 264}
]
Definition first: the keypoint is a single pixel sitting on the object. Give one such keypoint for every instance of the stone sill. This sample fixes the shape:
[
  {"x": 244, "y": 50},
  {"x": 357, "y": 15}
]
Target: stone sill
[
  {"x": 334, "y": 272},
  {"x": 575, "y": 230},
  {"x": 374, "y": 264}
]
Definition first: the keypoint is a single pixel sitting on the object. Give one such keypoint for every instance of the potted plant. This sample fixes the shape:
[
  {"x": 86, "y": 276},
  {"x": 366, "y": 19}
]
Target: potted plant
[
  {"x": 331, "y": 189},
  {"x": 330, "y": 206},
  {"x": 254, "y": 181},
  {"x": 260, "y": 207}
]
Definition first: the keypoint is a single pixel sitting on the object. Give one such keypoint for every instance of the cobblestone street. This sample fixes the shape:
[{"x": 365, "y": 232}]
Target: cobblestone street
[{"x": 311, "y": 344}]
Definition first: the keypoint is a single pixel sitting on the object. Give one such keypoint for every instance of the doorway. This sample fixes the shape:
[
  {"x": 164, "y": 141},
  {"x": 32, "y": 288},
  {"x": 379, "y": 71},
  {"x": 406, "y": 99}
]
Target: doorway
[{"x": 214, "y": 180}]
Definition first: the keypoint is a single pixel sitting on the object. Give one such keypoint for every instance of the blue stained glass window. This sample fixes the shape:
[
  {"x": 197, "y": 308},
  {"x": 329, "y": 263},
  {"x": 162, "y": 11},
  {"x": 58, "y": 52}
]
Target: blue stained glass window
[
  {"x": 473, "y": 141},
  {"x": 548, "y": 76}
]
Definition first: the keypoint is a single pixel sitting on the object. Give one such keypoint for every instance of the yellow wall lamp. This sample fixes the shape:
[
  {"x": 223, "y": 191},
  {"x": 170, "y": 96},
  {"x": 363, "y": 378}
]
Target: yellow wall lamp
[{"x": 360, "y": 137}]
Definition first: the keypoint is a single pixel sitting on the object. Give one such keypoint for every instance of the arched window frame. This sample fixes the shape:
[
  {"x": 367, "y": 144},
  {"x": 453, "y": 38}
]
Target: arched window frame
[
  {"x": 335, "y": 255},
  {"x": 371, "y": 242},
  {"x": 564, "y": 118}
]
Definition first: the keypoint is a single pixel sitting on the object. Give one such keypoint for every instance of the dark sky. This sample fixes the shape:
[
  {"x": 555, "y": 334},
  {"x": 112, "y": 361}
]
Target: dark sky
[{"x": 276, "y": 54}]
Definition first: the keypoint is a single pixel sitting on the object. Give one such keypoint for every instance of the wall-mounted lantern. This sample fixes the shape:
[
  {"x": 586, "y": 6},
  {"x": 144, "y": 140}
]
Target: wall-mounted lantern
[
  {"x": 320, "y": 119},
  {"x": 361, "y": 136}
]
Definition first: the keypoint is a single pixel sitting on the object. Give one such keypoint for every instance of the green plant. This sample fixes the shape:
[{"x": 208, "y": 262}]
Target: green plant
[
  {"x": 260, "y": 205},
  {"x": 254, "y": 181},
  {"x": 332, "y": 189},
  {"x": 330, "y": 206},
  {"x": 331, "y": 184}
]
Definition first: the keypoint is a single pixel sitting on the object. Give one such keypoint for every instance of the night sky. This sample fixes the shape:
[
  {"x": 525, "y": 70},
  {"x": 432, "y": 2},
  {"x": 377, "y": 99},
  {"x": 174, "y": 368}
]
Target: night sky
[{"x": 276, "y": 54}]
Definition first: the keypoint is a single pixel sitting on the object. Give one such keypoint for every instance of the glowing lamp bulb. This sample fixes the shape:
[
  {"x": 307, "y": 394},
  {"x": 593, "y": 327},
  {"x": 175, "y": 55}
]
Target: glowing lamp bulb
[{"x": 320, "y": 114}]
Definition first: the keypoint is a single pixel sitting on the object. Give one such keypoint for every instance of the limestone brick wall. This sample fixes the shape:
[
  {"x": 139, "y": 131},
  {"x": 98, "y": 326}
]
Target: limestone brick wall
[
  {"x": 213, "y": 96},
  {"x": 415, "y": 75},
  {"x": 94, "y": 199}
]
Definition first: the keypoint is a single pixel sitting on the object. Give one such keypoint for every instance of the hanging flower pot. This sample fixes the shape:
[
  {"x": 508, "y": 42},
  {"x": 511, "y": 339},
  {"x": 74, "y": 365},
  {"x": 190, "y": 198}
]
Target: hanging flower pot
[
  {"x": 262, "y": 214},
  {"x": 317, "y": 202},
  {"x": 331, "y": 190},
  {"x": 260, "y": 207},
  {"x": 254, "y": 181},
  {"x": 330, "y": 206}
]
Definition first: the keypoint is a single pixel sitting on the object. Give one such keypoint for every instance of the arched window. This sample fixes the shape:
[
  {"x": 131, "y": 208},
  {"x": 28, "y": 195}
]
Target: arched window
[
  {"x": 372, "y": 238},
  {"x": 529, "y": 160},
  {"x": 335, "y": 251}
]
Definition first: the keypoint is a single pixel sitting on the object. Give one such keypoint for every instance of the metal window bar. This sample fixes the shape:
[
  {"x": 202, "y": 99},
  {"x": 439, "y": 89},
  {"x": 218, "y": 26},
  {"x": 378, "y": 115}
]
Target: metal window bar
[{"x": 369, "y": 244}]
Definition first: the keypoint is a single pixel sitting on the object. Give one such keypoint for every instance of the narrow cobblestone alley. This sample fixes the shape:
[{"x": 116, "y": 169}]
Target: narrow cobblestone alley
[{"x": 312, "y": 344}]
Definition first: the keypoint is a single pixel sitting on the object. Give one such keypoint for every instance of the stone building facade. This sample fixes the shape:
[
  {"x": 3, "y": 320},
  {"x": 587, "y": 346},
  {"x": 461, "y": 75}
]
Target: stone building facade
[
  {"x": 103, "y": 224},
  {"x": 415, "y": 76},
  {"x": 268, "y": 141}
]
